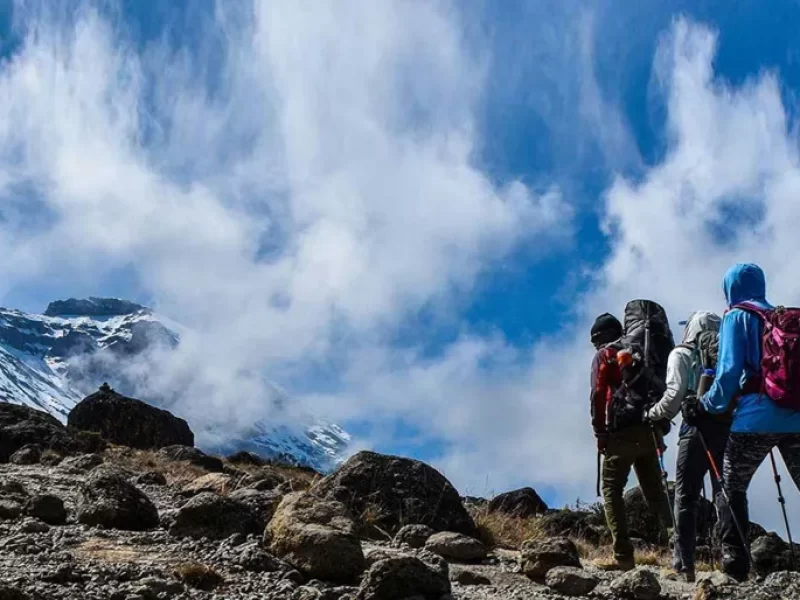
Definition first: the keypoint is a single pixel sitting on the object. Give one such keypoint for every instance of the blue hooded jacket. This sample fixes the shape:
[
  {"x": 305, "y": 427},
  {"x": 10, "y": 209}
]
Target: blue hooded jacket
[{"x": 740, "y": 358}]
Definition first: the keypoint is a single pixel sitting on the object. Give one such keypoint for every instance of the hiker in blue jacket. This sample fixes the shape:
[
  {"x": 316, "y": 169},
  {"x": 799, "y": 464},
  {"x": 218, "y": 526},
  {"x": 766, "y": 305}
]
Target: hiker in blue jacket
[{"x": 759, "y": 425}]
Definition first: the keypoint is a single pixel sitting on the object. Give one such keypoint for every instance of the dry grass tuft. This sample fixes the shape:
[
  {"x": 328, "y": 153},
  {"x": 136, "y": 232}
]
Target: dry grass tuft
[
  {"x": 497, "y": 530},
  {"x": 198, "y": 576},
  {"x": 141, "y": 461}
]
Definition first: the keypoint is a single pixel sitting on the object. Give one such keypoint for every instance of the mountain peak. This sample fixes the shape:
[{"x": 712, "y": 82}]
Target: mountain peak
[{"x": 93, "y": 307}]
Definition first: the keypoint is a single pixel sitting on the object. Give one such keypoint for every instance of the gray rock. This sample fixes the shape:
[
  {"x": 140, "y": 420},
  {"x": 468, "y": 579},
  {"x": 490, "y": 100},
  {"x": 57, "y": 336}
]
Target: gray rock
[
  {"x": 84, "y": 462},
  {"x": 215, "y": 517},
  {"x": 467, "y": 577},
  {"x": 47, "y": 508},
  {"x": 570, "y": 581},
  {"x": 27, "y": 455},
  {"x": 770, "y": 554},
  {"x": 522, "y": 503},
  {"x": 251, "y": 557},
  {"x": 150, "y": 478},
  {"x": 400, "y": 578},
  {"x": 456, "y": 546},
  {"x": 539, "y": 556},
  {"x": 10, "y": 592},
  {"x": 10, "y": 510},
  {"x": 639, "y": 584},
  {"x": 33, "y": 526},
  {"x": 219, "y": 483},
  {"x": 413, "y": 536},
  {"x": 316, "y": 537},
  {"x": 263, "y": 504},
  {"x": 377, "y": 554},
  {"x": 110, "y": 500}
]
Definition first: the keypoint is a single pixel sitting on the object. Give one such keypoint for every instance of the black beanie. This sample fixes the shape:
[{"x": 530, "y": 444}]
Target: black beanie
[{"x": 606, "y": 326}]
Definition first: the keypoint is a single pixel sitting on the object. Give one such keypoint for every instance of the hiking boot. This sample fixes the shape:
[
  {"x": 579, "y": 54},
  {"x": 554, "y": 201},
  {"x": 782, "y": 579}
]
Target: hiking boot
[
  {"x": 614, "y": 564},
  {"x": 688, "y": 575}
]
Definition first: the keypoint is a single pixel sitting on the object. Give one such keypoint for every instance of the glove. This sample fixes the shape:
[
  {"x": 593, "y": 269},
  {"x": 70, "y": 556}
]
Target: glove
[
  {"x": 692, "y": 410},
  {"x": 602, "y": 442}
]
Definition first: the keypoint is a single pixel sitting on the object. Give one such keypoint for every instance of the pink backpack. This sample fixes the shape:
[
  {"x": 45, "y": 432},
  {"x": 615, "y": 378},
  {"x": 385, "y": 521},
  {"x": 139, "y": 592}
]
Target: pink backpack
[{"x": 780, "y": 354}]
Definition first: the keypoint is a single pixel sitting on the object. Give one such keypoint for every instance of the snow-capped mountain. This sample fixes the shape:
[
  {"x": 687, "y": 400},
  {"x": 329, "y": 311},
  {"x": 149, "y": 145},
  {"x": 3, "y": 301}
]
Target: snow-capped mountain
[{"x": 51, "y": 361}]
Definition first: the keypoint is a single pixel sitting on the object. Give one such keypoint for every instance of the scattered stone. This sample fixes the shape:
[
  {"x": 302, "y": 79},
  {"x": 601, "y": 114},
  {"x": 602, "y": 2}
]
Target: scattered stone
[
  {"x": 263, "y": 504},
  {"x": 522, "y": 503},
  {"x": 129, "y": 422},
  {"x": 252, "y": 557},
  {"x": 570, "y": 581},
  {"x": 50, "y": 458},
  {"x": 10, "y": 510},
  {"x": 467, "y": 577},
  {"x": 193, "y": 456},
  {"x": 218, "y": 483},
  {"x": 150, "y": 478},
  {"x": 456, "y": 546},
  {"x": 413, "y": 536},
  {"x": 27, "y": 455},
  {"x": 33, "y": 526},
  {"x": 47, "y": 508},
  {"x": 638, "y": 584},
  {"x": 316, "y": 537},
  {"x": 84, "y": 462},
  {"x": 400, "y": 578},
  {"x": 539, "y": 556},
  {"x": 213, "y": 516},
  {"x": 396, "y": 491},
  {"x": 108, "y": 499},
  {"x": 11, "y": 489}
]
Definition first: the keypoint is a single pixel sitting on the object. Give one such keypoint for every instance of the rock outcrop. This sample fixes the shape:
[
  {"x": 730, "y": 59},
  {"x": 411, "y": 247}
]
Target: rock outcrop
[
  {"x": 129, "y": 422},
  {"x": 400, "y": 578},
  {"x": 22, "y": 426},
  {"x": 524, "y": 503},
  {"x": 215, "y": 517},
  {"x": 396, "y": 492}
]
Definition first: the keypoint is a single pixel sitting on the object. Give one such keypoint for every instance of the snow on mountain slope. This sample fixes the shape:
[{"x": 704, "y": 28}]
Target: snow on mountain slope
[{"x": 51, "y": 361}]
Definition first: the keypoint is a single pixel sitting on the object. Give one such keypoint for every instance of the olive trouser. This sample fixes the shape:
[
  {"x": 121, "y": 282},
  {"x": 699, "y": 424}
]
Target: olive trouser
[{"x": 635, "y": 448}]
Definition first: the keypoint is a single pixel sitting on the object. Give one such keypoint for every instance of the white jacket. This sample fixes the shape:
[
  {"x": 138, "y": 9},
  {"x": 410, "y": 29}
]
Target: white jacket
[{"x": 679, "y": 367}]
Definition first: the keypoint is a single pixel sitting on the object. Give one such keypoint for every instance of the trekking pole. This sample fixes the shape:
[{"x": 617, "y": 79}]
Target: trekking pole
[
  {"x": 782, "y": 502},
  {"x": 721, "y": 483},
  {"x": 599, "y": 469},
  {"x": 664, "y": 475}
]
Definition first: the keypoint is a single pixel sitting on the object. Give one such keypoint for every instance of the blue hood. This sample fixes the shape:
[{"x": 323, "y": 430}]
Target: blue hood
[{"x": 744, "y": 282}]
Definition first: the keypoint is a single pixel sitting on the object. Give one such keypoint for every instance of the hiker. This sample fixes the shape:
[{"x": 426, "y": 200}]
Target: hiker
[
  {"x": 685, "y": 366},
  {"x": 621, "y": 387},
  {"x": 760, "y": 422}
]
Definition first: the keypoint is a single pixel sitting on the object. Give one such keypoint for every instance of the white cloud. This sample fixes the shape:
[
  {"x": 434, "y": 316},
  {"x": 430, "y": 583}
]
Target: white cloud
[{"x": 292, "y": 189}]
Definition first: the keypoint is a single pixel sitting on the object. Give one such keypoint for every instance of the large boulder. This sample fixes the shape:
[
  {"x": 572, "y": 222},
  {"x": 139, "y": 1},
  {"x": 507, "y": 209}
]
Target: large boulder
[
  {"x": 524, "y": 502},
  {"x": 47, "y": 508},
  {"x": 109, "y": 499},
  {"x": 213, "y": 516},
  {"x": 129, "y": 422},
  {"x": 27, "y": 455},
  {"x": 413, "y": 536},
  {"x": 21, "y": 426},
  {"x": 641, "y": 520},
  {"x": 395, "y": 492},
  {"x": 193, "y": 456},
  {"x": 539, "y": 556},
  {"x": 402, "y": 577},
  {"x": 316, "y": 537},
  {"x": 456, "y": 546}
]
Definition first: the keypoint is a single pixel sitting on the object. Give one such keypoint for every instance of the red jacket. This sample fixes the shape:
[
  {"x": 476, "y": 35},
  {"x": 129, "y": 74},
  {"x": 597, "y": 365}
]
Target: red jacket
[{"x": 606, "y": 378}]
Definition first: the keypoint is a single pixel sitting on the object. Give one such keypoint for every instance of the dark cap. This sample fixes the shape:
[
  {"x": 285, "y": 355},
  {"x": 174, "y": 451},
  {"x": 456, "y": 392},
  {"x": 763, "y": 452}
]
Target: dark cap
[{"x": 606, "y": 328}]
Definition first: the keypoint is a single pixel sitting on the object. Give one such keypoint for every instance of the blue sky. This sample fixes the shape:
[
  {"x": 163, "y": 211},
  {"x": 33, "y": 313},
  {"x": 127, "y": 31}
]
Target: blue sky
[{"x": 406, "y": 214}]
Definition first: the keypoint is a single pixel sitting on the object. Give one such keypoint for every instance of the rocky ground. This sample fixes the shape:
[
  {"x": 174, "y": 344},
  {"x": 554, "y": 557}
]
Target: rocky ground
[{"x": 129, "y": 524}]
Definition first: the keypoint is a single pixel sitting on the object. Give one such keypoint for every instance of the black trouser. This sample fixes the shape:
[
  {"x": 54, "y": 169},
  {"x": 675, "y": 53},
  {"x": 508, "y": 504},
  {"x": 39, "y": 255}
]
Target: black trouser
[
  {"x": 743, "y": 455},
  {"x": 692, "y": 466}
]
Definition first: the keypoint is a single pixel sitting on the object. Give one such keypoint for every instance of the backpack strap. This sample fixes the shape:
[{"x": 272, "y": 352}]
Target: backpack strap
[{"x": 762, "y": 313}]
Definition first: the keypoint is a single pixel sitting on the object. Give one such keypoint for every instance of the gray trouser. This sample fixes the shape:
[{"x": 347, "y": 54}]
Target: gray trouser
[
  {"x": 743, "y": 455},
  {"x": 692, "y": 466}
]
